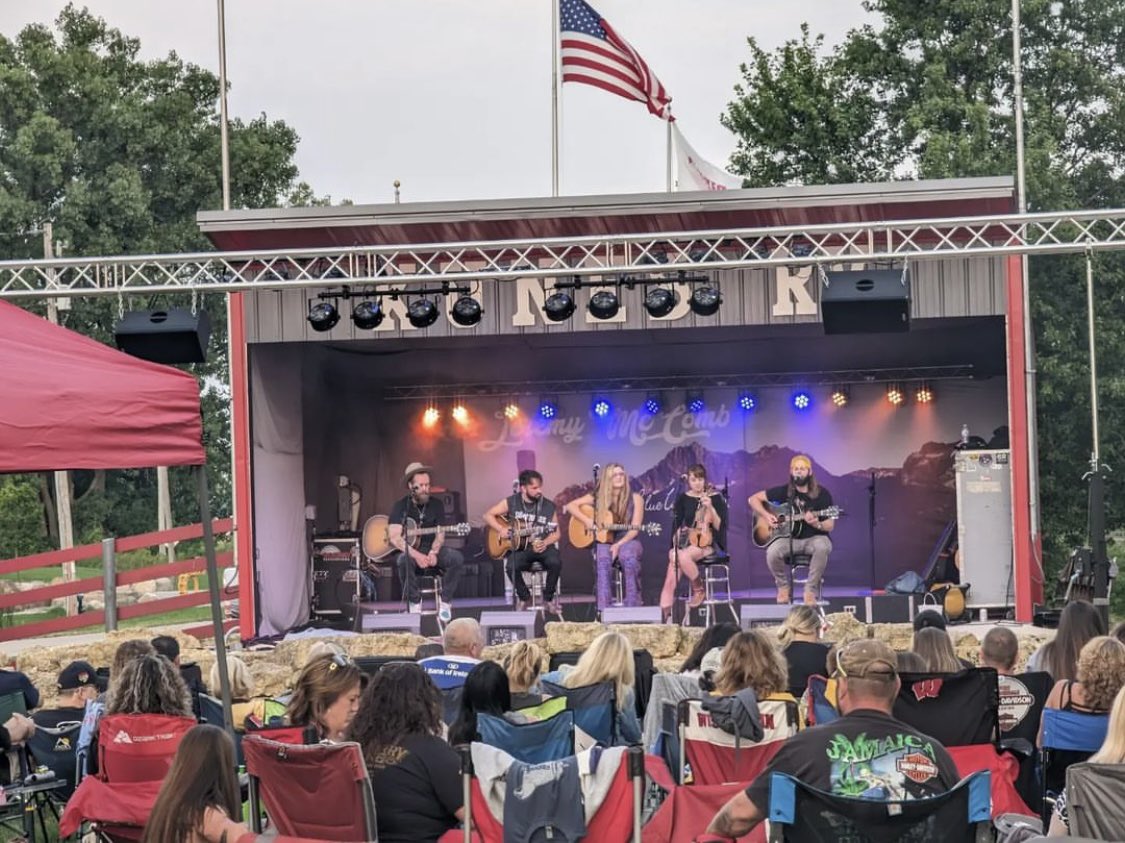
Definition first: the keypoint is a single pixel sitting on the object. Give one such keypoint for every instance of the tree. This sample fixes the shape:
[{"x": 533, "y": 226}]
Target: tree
[
  {"x": 926, "y": 92},
  {"x": 119, "y": 153}
]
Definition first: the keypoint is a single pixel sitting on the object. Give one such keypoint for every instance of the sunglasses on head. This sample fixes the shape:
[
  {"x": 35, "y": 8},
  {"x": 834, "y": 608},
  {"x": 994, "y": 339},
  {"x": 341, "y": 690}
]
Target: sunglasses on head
[{"x": 339, "y": 660}]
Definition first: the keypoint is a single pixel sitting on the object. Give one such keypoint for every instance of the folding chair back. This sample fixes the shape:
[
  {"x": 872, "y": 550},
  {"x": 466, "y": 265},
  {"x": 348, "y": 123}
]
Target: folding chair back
[
  {"x": 54, "y": 748},
  {"x": 958, "y": 709},
  {"x": 594, "y": 707},
  {"x": 716, "y": 756},
  {"x": 799, "y": 812},
  {"x": 139, "y": 747},
  {"x": 12, "y": 703},
  {"x": 291, "y": 782},
  {"x": 532, "y": 743},
  {"x": 1094, "y": 796},
  {"x": 1069, "y": 737},
  {"x": 820, "y": 701},
  {"x": 211, "y": 711},
  {"x": 293, "y": 735},
  {"x": 450, "y": 704}
]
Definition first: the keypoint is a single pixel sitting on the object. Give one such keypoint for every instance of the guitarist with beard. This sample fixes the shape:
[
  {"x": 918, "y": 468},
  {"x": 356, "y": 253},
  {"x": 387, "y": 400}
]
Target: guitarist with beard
[
  {"x": 810, "y": 532},
  {"x": 428, "y": 557},
  {"x": 527, "y": 509}
]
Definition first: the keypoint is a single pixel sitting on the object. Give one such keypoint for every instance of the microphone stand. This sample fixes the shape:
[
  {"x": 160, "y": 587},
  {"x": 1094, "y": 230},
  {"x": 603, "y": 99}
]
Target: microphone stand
[
  {"x": 792, "y": 530},
  {"x": 871, "y": 525},
  {"x": 674, "y": 545}
]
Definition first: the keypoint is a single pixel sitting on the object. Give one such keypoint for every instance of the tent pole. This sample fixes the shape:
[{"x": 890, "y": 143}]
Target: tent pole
[{"x": 214, "y": 586}]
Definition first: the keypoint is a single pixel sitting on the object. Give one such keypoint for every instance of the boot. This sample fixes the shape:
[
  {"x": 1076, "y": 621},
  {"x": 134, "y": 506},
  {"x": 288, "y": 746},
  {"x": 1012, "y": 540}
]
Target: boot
[
  {"x": 698, "y": 593},
  {"x": 665, "y": 614},
  {"x": 810, "y": 597},
  {"x": 783, "y": 594}
]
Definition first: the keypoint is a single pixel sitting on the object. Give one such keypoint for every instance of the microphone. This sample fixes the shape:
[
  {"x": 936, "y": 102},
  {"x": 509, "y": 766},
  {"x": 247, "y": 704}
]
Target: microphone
[
  {"x": 683, "y": 477},
  {"x": 515, "y": 486},
  {"x": 597, "y": 467}
]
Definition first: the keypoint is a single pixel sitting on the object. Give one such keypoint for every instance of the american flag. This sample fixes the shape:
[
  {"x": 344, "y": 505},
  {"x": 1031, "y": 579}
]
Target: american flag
[{"x": 592, "y": 53}]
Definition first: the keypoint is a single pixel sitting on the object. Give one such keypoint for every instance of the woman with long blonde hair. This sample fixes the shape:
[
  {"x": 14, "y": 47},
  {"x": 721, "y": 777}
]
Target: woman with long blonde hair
[
  {"x": 936, "y": 649},
  {"x": 609, "y": 658},
  {"x": 614, "y": 502},
  {"x": 524, "y": 664},
  {"x": 805, "y": 654}
]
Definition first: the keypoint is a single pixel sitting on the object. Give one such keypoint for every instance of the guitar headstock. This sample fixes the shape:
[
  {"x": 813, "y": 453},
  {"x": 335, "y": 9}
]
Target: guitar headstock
[
  {"x": 832, "y": 512},
  {"x": 459, "y": 529},
  {"x": 652, "y": 528}
]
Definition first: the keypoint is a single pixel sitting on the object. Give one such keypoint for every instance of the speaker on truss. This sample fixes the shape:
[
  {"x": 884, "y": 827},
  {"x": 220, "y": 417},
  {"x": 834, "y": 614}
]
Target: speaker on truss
[
  {"x": 869, "y": 301},
  {"x": 174, "y": 335}
]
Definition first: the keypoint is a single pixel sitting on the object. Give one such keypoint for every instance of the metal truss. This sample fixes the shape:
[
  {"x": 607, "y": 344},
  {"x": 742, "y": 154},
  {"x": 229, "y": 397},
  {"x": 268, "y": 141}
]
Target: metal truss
[
  {"x": 744, "y": 381},
  {"x": 382, "y": 268}
]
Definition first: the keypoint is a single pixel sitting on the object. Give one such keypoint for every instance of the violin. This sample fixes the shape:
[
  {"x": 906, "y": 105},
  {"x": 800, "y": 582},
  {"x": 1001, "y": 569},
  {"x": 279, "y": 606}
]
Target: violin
[{"x": 700, "y": 534}]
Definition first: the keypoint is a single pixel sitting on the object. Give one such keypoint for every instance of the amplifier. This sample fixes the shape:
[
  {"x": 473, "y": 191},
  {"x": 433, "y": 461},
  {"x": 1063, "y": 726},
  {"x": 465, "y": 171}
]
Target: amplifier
[
  {"x": 335, "y": 578},
  {"x": 875, "y": 608}
]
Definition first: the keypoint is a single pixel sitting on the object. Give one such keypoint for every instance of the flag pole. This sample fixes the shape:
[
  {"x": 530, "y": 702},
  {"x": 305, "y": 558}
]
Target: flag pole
[
  {"x": 668, "y": 149},
  {"x": 555, "y": 103}
]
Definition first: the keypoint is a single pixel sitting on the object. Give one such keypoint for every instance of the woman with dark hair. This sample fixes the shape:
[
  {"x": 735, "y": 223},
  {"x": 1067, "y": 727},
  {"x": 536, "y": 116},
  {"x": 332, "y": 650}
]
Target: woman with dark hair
[
  {"x": 415, "y": 775},
  {"x": 200, "y": 795},
  {"x": 326, "y": 696},
  {"x": 1079, "y": 622},
  {"x": 715, "y": 636},
  {"x": 486, "y": 691},
  {"x": 699, "y": 522}
]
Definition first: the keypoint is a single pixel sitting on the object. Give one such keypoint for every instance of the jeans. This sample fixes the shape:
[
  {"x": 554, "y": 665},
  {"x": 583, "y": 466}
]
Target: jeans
[
  {"x": 630, "y": 558},
  {"x": 449, "y": 567},
  {"x": 818, "y": 547},
  {"x": 521, "y": 560}
]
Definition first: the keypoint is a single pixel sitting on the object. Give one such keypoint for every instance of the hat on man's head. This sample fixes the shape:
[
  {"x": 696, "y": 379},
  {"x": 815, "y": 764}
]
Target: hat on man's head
[
  {"x": 77, "y": 675},
  {"x": 927, "y": 618},
  {"x": 866, "y": 658},
  {"x": 712, "y": 660},
  {"x": 800, "y": 459},
  {"x": 414, "y": 468}
]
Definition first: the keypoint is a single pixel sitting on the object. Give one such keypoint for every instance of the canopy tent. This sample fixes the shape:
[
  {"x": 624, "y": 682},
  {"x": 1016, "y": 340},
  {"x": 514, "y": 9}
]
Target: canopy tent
[{"x": 70, "y": 402}]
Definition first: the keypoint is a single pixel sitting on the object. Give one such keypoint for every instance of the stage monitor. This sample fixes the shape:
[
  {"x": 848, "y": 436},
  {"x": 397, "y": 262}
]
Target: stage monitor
[
  {"x": 632, "y": 614},
  {"x": 506, "y": 627},
  {"x": 373, "y": 664},
  {"x": 762, "y": 614},
  {"x": 392, "y": 622}
]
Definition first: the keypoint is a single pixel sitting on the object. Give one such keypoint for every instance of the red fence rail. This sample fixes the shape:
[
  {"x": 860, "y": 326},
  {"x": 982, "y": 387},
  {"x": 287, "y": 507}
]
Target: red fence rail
[{"x": 85, "y": 585}]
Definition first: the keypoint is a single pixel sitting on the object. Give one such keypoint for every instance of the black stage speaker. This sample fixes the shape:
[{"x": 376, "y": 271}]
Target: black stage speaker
[
  {"x": 164, "y": 336},
  {"x": 335, "y": 579},
  {"x": 870, "y": 301}
]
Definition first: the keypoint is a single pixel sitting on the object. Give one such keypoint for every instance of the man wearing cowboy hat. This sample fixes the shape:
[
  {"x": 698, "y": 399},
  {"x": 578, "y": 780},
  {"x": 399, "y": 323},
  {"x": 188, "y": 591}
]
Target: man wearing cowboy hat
[
  {"x": 427, "y": 556},
  {"x": 810, "y": 533}
]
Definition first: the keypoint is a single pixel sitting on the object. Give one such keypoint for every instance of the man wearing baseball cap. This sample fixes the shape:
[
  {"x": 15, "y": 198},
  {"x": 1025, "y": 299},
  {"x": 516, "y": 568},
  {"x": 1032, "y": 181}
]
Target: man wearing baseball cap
[
  {"x": 422, "y": 555},
  {"x": 866, "y": 753},
  {"x": 77, "y": 684},
  {"x": 812, "y": 518}
]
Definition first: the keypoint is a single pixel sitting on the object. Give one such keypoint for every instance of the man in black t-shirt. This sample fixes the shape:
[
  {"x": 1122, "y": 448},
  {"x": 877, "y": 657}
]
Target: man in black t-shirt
[
  {"x": 426, "y": 554},
  {"x": 864, "y": 754},
  {"x": 810, "y": 530},
  {"x": 529, "y": 510}
]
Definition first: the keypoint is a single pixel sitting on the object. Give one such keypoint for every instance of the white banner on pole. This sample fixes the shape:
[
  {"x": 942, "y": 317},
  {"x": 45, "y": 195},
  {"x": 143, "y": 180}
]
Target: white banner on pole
[{"x": 695, "y": 173}]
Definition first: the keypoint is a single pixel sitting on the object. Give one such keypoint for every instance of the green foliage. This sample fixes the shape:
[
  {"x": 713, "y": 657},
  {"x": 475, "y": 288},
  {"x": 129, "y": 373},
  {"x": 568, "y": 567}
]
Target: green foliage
[
  {"x": 22, "y": 530},
  {"x": 926, "y": 91}
]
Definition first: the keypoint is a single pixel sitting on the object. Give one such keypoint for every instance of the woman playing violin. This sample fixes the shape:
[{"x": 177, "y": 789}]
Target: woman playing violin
[{"x": 699, "y": 521}]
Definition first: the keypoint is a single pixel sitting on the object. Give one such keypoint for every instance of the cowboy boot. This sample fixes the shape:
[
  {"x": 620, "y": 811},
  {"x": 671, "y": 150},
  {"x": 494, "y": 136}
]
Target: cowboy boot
[
  {"x": 698, "y": 593},
  {"x": 782, "y": 594}
]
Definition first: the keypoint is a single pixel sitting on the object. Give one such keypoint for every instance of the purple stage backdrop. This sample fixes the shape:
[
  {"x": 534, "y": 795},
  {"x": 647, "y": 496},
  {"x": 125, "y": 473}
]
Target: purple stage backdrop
[{"x": 892, "y": 463}]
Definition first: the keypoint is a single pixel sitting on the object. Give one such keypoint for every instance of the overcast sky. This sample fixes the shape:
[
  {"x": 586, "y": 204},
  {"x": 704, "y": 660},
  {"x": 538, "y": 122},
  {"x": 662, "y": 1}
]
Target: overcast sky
[{"x": 453, "y": 97}]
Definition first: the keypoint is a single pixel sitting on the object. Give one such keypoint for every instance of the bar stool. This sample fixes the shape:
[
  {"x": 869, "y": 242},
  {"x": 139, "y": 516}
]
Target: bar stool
[
  {"x": 536, "y": 579},
  {"x": 792, "y": 564},
  {"x": 618, "y": 584},
  {"x": 431, "y": 590},
  {"x": 714, "y": 571}
]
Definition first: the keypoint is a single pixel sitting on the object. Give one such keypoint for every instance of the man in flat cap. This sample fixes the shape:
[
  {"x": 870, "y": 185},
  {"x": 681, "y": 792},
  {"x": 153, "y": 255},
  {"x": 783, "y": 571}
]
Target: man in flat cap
[
  {"x": 811, "y": 520},
  {"x": 422, "y": 554},
  {"x": 866, "y": 753}
]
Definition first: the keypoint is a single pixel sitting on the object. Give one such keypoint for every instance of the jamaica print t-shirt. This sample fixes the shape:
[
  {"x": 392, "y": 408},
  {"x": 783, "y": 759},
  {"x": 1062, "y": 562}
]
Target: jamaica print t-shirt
[{"x": 865, "y": 754}]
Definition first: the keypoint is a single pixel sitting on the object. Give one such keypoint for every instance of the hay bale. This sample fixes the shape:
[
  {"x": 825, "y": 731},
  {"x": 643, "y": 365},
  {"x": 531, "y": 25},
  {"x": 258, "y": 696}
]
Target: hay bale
[
  {"x": 661, "y": 640},
  {"x": 668, "y": 665},
  {"x": 296, "y": 653},
  {"x": 843, "y": 626},
  {"x": 566, "y": 637},
  {"x": 900, "y": 636},
  {"x": 689, "y": 637},
  {"x": 386, "y": 644}
]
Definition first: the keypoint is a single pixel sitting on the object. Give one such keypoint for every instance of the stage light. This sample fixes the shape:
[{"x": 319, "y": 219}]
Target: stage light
[
  {"x": 548, "y": 409},
  {"x": 422, "y": 313},
  {"x": 746, "y": 401},
  {"x": 705, "y": 300},
  {"x": 367, "y": 315},
  {"x": 660, "y": 301},
  {"x": 559, "y": 306},
  {"x": 466, "y": 311},
  {"x": 801, "y": 400},
  {"x": 601, "y": 407},
  {"x": 460, "y": 413},
  {"x": 431, "y": 417},
  {"x": 840, "y": 396},
  {"x": 653, "y": 403},
  {"x": 604, "y": 304},
  {"x": 511, "y": 410},
  {"x": 695, "y": 402},
  {"x": 895, "y": 395},
  {"x": 923, "y": 394},
  {"x": 323, "y": 316}
]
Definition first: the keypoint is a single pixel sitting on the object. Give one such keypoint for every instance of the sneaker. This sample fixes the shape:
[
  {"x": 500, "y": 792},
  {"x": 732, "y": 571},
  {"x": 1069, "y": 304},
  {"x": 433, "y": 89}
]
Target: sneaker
[
  {"x": 445, "y": 612},
  {"x": 414, "y": 608},
  {"x": 783, "y": 594}
]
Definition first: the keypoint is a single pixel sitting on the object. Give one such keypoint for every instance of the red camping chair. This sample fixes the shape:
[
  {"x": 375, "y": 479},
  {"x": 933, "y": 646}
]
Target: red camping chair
[
  {"x": 291, "y": 781},
  {"x": 718, "y": 757},
  {"x": 687, "y": 810}
]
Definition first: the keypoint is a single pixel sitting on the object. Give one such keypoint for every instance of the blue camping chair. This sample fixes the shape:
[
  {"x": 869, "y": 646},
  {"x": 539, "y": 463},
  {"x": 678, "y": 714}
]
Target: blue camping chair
[
  {"x": 819, "y": 709},
  {"x": 532, "y": 743},
  {"x": 799, "y": 813},
  {"x": 594, "y": 707},
  {"x": 211, "y": 711},
  {"x": 1069, "y": 737}
]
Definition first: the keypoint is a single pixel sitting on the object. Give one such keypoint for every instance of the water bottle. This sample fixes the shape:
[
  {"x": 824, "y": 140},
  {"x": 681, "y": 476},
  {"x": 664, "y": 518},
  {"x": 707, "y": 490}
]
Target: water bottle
[{"x": 964, "y": 434}]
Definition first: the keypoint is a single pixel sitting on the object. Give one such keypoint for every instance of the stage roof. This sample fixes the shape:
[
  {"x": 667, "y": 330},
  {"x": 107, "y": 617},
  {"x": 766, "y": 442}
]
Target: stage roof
[{"x": 576, "y": 216}]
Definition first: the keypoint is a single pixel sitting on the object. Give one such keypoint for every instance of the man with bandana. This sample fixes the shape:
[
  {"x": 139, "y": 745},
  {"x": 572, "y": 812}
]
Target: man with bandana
[{"x": 810, "y": 532}]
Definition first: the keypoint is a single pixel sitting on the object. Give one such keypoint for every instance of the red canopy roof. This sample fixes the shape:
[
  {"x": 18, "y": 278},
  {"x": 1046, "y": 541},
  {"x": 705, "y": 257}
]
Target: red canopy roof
[{"x": 67, "y": 401}]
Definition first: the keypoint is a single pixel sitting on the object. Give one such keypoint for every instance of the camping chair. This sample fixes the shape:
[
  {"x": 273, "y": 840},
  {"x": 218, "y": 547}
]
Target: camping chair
[
  {"x": 450, "y": 704},
  {"x": 799, "y": 812},
  {"x": 611, "y": 821},
  {"x": 1094, "y": 796},
  {"x": 595, "y": 710},
  {"x": 715, "y": 756},
  {"x": 532, "y": 743},
  {"x": 12, "y": 703},
  {"x": 820, "y": 701},
  {"x": 291, "y": 782},
  {"x": 211, "y": 711},
  {"x": 1068, "y": 737},
  {"x": 1022, "y": 698}
]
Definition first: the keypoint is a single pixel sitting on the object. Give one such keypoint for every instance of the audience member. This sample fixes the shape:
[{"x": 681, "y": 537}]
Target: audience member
[
  {"x": 199, "y": 799},
  {"x": 485, "y": 692},
  {"x": 709, "y": 668},
  {"x": 1100, "y": 675},
  {"x": 430, "y": 648},
  {"x": 829, "y": 757},
  {"x": 243, "y": 703},
  {"x": 524, "y": 664},
  {"x": 13, "y": 681},
  {"x": 908, "y": 661},
  {"x": 462, "y": 642},
  {"x": 801, "y": 646},
  {"x": 76, "y": 686},
  {"x": 415, "y": 775},
  {"x": 927, "y": 618},
  {"x": 609, "y": 658},
  {"x": 126, "y": 651},
  {"x": 149, "y": 685},
  {"x": 1118, "y": 631},
  {"x": 326, "y": 696},
  {"x": 936, "y": 650},
  {"x": 324, "y": 648},
  {"x": 750, "y": 660},
  {"x": 1000, "y": 650},
  {"x": 714, "y": 637},
  {"x": 169, "y": 647},
  {"x": 1112, "y": 752},
  {"x": 1079, "y": 622}
]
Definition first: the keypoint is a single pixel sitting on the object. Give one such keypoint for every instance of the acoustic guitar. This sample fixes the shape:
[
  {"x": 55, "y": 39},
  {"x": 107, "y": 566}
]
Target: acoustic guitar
[
  {"x": 581, "y": 537},
  {"x": 765, "y": 535},
  {"x": 499, "y": 546},
  {"x": 377, "y": 540}
]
